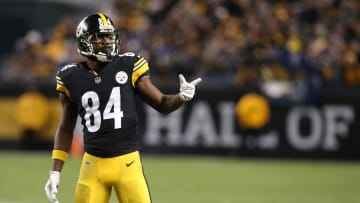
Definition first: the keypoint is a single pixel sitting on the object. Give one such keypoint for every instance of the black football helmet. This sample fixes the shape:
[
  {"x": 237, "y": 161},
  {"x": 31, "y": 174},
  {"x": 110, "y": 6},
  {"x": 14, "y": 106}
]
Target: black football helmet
[{"x": 92, "y": 27}]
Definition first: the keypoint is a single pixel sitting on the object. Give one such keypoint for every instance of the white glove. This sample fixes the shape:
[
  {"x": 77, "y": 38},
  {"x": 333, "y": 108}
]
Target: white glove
[
  {"x": 51, "y": 187},
  {"x": 187, "y": 89}
]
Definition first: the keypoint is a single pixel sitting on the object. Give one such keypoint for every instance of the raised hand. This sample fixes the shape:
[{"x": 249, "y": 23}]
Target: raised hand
[{"x": 187, "y": 89}]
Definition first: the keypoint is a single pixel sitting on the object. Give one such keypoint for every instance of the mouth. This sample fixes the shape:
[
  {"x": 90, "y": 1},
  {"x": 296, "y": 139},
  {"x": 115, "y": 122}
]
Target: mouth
[{"x": 105, "y": 50}]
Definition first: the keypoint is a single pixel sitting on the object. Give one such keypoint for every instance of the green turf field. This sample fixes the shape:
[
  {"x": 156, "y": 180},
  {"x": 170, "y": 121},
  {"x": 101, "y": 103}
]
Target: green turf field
[{"x": 197, "y": 180}]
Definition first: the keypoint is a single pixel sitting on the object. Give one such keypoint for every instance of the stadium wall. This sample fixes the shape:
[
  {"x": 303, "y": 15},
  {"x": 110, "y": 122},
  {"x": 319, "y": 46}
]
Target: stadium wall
[{"x": 217, "y": 122}]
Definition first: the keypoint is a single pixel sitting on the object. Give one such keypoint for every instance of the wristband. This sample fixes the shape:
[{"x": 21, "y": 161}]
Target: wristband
[{"x": 60, "y": 154}]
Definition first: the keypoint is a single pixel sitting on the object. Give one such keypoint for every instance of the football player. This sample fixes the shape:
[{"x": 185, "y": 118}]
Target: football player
[{"x": 102, "y": 91}]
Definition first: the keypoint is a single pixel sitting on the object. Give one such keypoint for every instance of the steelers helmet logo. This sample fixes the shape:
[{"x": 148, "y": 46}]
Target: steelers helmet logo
[{"x": 121, "y": 77}]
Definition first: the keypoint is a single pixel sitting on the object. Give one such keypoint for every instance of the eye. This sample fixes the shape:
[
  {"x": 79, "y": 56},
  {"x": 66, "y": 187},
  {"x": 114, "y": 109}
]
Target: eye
[
  {"x": 101, "y": 37},
  {"x": 110, "y": 36}
]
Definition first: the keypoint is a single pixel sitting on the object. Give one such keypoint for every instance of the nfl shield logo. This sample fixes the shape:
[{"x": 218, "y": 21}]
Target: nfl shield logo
[{"x": 98, "y": 80}]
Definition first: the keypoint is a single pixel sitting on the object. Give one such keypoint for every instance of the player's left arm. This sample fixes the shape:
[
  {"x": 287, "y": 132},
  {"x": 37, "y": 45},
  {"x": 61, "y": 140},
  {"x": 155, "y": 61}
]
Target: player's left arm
[{"x": 166, "y": 103}]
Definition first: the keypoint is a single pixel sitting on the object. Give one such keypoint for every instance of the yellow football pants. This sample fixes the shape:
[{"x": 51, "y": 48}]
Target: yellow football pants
[{"x": 123, "y": 173}]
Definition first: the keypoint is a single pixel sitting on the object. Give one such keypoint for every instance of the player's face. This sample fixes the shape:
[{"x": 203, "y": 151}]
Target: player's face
[{"x": 101, "y": 40}]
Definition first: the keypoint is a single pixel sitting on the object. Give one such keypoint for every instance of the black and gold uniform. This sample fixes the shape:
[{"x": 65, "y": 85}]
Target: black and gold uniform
[
  {"x": 101, "y": 98},
  {"x": 111, "y": 145},
  {"x": 103, "y": 92}
]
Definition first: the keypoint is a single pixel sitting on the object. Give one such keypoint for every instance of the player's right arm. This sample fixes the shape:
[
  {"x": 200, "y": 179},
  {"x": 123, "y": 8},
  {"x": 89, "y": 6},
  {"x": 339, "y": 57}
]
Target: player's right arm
[
  {"x": 64, "y": 132},
  {"x": 62, "y": 143}
]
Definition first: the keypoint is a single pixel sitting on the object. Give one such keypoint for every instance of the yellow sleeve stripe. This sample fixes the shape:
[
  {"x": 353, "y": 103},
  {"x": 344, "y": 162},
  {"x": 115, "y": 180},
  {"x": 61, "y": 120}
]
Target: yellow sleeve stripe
[
  {"x": 138, "y": 72},
  {"x": 139, "y": 61},
  {"x": 103, "y": 18},
  {"x": 140, "y": 65},
  {"x": 60, "y": 154},
  {"x": 62, "y": 88}
]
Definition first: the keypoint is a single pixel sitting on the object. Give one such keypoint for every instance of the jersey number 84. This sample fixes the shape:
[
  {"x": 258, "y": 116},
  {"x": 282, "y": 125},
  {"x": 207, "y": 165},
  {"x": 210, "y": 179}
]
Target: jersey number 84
[{"x": 111, "y": 111}]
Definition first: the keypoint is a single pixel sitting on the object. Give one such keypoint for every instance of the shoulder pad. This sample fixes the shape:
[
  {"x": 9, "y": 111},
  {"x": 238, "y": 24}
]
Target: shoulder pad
[
  {"x": 130, "y": 54},
  {"x": 67, "y": 67}
]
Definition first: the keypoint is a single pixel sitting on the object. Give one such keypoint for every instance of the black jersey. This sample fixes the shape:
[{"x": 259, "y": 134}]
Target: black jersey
[{"x": 106, "y": 102}]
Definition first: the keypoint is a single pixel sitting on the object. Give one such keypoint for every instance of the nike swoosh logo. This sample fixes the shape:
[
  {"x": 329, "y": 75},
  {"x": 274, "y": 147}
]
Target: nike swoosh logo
[{"x": 129, "y": 164}]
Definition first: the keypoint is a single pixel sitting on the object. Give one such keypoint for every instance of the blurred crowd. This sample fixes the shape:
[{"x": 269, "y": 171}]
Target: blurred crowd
[{"x": 285, "y": 48}]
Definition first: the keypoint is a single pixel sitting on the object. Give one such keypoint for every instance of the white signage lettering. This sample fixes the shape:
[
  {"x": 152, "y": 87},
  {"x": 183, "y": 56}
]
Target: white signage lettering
[
  {"x": 203, "y": 127},
  {"x": 324, "y": 127},
  {"x": 296, "y": 139},
  {"x": 200, "y": 129},
  {"x": 157, "y": 123},
  {"x": 337, "y": 120},
  {"x": 228, "y": 138}
]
